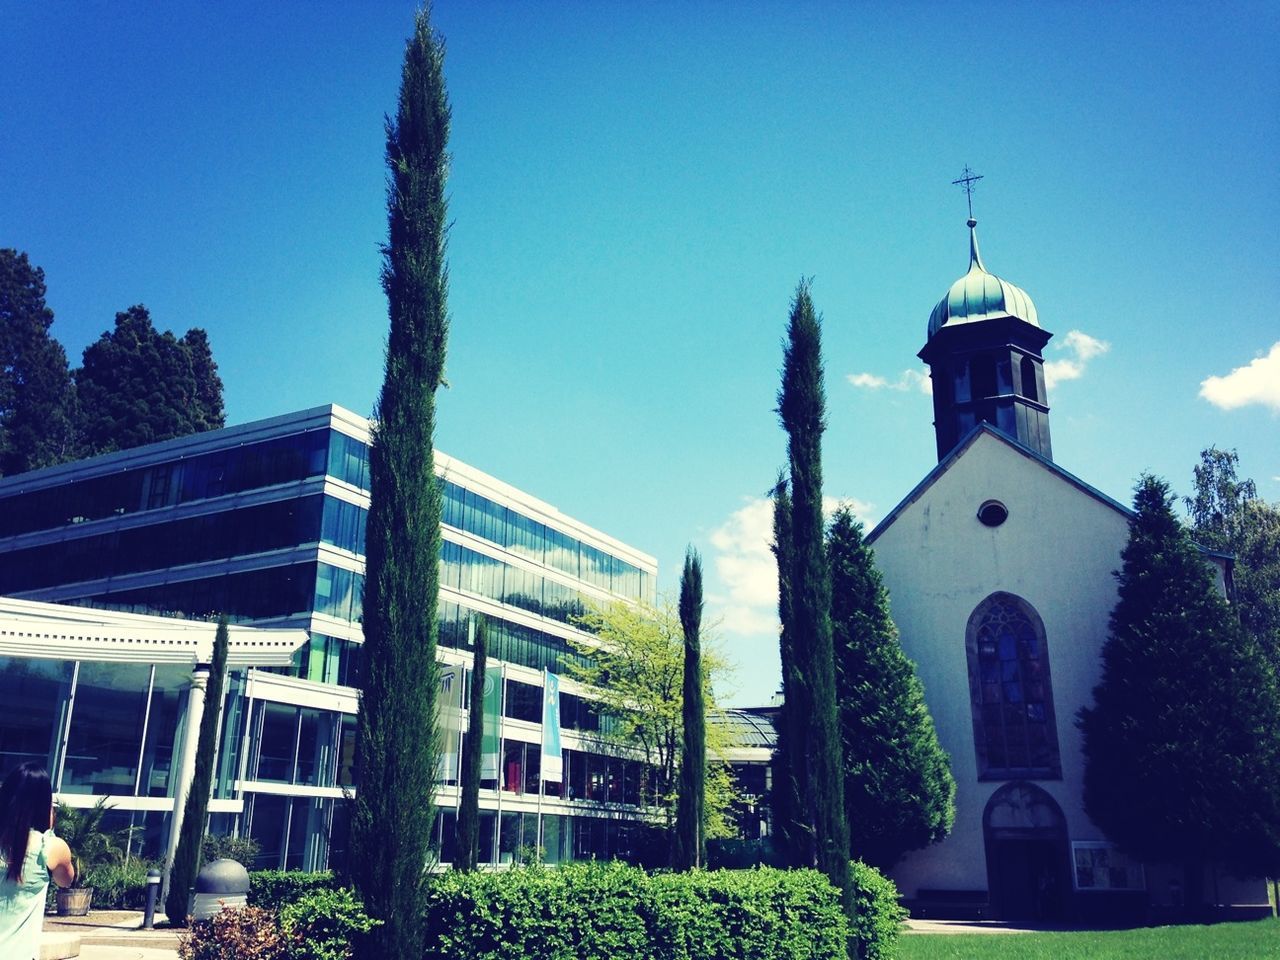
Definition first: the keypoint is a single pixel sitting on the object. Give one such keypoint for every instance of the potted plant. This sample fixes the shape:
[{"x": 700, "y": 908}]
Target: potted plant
[{"x": 91, "y": 847}]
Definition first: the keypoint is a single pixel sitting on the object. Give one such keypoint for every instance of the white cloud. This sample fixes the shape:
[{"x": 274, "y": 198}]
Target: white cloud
[
  {"x": 1259, "y": 382},
  {"x": 907, "y": 380},
  {"x": 745, "y": 567},
  {"x": 1082, "y": 348}
]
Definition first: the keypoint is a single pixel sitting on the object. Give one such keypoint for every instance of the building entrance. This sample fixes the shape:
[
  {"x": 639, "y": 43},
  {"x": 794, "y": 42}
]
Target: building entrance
[{"x": 1027, "y": 862}]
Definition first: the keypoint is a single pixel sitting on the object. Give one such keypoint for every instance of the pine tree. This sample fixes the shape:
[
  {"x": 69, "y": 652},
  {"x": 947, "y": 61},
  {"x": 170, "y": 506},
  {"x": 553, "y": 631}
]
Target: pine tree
[
  {"x": 801, "y": 406},
  {"x": 37, "y": 398},
  {"x": 690, "y": 849},
  {"x": 137, "y": 385},
  {"x": 468, "y": 854},
  {"x": 186, "y": 859},
  {"x": 794, "y": 840},
  {"x": 399, "y": 744},
  {"x": 899, "y": 794},
  {"x": 1181, "y": 761}
]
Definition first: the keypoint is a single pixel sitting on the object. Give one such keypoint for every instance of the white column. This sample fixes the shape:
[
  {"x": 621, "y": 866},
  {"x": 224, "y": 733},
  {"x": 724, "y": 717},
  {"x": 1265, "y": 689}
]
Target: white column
[{"x": 185, "y": 767}]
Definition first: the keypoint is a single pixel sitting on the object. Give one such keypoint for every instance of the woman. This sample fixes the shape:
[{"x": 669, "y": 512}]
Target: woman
[{"x": 30, "y": 854}]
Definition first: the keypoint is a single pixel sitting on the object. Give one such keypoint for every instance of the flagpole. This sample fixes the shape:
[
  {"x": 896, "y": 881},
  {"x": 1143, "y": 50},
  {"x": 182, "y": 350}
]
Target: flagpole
[{"x": 542, "y": 766}]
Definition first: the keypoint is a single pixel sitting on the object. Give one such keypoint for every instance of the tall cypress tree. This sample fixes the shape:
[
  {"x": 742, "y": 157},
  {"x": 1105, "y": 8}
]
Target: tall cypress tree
[
  {"x": 186, "y": 859},
  {"x": 794, "y": 840},
  {"x": 469, "y": 803},
  {"x": 899, "y": 794},
  {"x": 1182, "y": 762},
  {"x": 399, "y": 744},
  {"x": 689, "y": 849},
  {"x": 801, "y": 406}
]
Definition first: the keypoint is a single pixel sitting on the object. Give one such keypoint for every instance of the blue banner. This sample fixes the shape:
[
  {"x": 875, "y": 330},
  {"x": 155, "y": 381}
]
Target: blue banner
[{"x": 552, "y": 758}]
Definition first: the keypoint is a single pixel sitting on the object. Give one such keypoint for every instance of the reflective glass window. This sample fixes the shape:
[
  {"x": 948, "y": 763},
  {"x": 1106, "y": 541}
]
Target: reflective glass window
[
  {"x": 277, "y": 737},
  {"x": 169, "y": 694},
  {"x": 105, "y": 738},
  {"x": 34, "y": 694}
]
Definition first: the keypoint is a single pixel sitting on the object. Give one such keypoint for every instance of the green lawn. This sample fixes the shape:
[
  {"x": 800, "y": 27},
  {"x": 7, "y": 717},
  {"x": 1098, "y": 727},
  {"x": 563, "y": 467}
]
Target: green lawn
[{"x": 1225, "y": 941}]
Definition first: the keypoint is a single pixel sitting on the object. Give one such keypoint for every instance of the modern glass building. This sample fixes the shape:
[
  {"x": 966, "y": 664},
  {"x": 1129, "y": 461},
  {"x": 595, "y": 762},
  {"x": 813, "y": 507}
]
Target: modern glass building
[{"x": 265, "y": 523}]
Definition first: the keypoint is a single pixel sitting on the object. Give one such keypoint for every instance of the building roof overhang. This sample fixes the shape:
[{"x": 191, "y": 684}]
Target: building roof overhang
[{"x": 51, "y": 631}]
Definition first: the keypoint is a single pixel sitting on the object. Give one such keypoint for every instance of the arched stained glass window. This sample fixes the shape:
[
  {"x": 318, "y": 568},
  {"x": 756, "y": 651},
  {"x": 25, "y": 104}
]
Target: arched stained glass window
[{"x": 1014, "y": 731}]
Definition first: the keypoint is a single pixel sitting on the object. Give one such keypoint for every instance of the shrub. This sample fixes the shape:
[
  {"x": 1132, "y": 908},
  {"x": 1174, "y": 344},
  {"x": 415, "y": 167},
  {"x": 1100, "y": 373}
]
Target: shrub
[
  {"x": 243, "y": 850},
  {"x": 610, "y": 911},
  {"x": 880, "y": 915},
  {"x": 321, "y": 924},
  {"x": 119, "y": 886},
  {"x": 272, "y": 889},
  {"x": 249, "y": 933}
]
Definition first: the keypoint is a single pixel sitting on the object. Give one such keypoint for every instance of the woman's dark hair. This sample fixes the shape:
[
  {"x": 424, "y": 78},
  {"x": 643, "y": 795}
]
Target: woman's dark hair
[{"x": 25, "y": 799}]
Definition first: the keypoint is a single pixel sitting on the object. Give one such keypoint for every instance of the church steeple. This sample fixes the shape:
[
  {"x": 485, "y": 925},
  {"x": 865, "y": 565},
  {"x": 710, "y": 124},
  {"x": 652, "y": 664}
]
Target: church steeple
[{"x": 984, "y": 353}]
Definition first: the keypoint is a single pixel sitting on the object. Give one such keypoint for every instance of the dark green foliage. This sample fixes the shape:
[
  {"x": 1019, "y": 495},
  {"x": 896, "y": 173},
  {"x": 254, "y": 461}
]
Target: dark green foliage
[
  {"x": 1181, "y": 759},
  {"x": 880, "y": 916},
  {"x": 611, "y": 911},
  {"x": 272, "y": 889},
  {"x": 91, "y": 845},
  {"x": 468, "y": 852},
  {"x": 899, "y": 794},
  {"x": 119, "y": 886},
  {"x": 323, "y": 924},
  {"x": 243, "y": 850},
  {"x": 37, "y": 400},
  {"x": 1228, "y": 515},
  {"x": 689, "y": 847},
  {"x": 137, "y": 385},
  {"x": 801, "y": 406},
  {"x": 399, "y": 745},
  {"x": 186, "y": 859},
  {"x": 794, "y": 841}
]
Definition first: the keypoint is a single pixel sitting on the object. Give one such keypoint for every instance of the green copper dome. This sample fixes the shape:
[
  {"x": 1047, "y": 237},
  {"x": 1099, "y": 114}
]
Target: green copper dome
[{"x": 980, "y": 295}]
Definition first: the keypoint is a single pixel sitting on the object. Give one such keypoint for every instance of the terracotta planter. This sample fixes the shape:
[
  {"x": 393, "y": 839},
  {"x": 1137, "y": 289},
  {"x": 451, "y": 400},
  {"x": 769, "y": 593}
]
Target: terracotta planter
[{"x": 74, "y": 902}]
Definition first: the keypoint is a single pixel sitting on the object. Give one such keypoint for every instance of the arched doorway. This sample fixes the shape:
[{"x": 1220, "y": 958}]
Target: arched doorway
[{"x": 1027, "y": 862}]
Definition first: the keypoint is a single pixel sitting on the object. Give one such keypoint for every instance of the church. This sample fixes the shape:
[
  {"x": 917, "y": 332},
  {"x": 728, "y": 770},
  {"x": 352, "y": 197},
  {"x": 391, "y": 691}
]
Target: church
[{"x": 999, "y": 568}]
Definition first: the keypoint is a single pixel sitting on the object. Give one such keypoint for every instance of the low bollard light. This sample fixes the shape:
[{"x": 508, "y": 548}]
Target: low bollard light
[{"x": 153, "y": 889}]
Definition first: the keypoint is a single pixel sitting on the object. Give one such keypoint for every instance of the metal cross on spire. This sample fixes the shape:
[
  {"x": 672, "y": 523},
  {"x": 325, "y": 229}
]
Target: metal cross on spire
[{"x": 966, "y": 182}]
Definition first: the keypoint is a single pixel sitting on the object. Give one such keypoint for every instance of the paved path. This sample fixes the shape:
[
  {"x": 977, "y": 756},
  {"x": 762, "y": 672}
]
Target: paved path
[
  {"x": 964, "y": 926},
  {"x": 116, "y": 935}
]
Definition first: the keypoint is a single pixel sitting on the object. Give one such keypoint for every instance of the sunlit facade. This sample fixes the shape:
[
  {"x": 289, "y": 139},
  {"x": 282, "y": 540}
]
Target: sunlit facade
[{"x": 265, "y": 523}]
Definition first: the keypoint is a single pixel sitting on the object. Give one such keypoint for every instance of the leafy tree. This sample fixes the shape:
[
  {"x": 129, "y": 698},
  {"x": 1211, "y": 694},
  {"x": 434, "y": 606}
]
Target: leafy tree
[
  {"x": 37, "y": 398},
  {"x": 398, "y": 747},
  {"x": 1227, "y": 514},
  {"x": 1181, "y": 761},
  {"x": 137, "y": 385},
  {"x": 801, "y": 406},
  {"x": 186, "y": 859},
  {"x": 795, "y": 842},
  {"x": 690, "y": 849},
  {"x": 468, "y": 854},
  {"x": 635, "y": 670},
  {"x": 899, "y": 794}
]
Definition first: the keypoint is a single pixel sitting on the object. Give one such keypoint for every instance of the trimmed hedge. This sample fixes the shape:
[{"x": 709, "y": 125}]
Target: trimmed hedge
[
  {"x": 272, "y": 889},
  {"x": 594, "y": 911},
  {"x": 880, "y": 915}
]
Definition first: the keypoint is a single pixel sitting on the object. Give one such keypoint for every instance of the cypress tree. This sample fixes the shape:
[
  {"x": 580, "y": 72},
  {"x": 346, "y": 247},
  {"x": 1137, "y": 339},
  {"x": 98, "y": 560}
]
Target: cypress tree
[
  {"x": 794, "y": 840},
  {"x": 399, "y": 744},
  {"x": 801, "y": 406},
  {"x": 186, "y": 859},
  {"x": 899, "y": 794},
  {"x": 1182, "y": 763},
  {"x": 469, "y": 804},
  {"x": 689, "y": 849}
]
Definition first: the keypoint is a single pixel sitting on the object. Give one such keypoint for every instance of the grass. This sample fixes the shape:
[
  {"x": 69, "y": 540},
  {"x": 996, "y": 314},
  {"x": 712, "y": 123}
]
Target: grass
[{"x": 1223, "y": 941}]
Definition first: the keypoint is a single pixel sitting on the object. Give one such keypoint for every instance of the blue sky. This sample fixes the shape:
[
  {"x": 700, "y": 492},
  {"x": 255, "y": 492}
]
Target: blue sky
[{"x": 636, "y": 189}]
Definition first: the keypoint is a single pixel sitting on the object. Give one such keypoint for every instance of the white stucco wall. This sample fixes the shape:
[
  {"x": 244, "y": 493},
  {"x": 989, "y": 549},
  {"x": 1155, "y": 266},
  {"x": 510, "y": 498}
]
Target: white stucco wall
[{"x": 1057, "y": 551}]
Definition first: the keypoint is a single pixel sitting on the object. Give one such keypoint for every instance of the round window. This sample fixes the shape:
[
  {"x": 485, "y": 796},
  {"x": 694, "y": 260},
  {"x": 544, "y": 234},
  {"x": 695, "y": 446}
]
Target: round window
[{"x": 993, "y": 513}]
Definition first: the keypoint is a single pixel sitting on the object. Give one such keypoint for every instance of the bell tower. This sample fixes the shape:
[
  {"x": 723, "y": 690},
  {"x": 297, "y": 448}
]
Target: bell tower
[{"x": 985, "y": 356}]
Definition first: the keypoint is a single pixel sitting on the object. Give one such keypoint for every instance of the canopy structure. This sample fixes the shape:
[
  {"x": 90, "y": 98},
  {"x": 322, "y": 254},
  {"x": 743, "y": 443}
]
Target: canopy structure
[{"x": 51, "y": 631}]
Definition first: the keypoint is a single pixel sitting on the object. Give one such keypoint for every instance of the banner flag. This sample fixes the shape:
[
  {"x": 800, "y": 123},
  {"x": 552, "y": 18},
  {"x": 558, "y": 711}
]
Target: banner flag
[
  {"x": 552, "y": 758},
  {"x": 449, "y": 709},
  {"x": 490, "y": 744}
]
